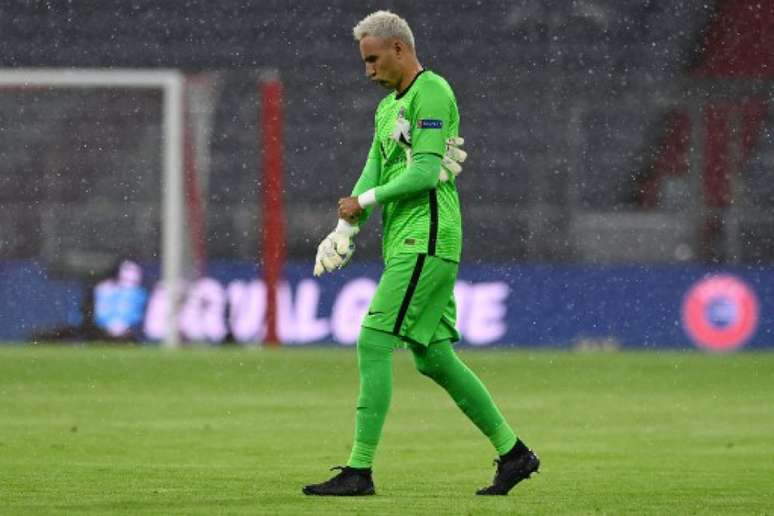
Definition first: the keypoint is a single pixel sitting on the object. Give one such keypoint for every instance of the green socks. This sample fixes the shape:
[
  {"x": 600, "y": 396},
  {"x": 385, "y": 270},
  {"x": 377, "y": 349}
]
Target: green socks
[
  {"x": 437, "y": 361},
  {"x": 374, "y": 359}
]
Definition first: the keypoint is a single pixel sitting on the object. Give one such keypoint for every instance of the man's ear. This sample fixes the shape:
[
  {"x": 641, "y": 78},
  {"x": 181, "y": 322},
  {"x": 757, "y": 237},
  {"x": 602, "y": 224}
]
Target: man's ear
[{"x": 399, "y": 47}]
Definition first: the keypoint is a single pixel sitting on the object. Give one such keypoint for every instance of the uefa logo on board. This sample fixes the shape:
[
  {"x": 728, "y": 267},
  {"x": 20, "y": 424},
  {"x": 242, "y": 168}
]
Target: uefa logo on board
[{"x": 720, "y": 312}]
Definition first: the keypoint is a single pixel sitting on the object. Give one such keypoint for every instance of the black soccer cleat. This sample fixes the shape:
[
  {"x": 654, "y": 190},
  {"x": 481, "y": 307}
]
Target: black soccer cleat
[
  {"x": 512, "y": 468},
  {"x": 349, "y": 482}
]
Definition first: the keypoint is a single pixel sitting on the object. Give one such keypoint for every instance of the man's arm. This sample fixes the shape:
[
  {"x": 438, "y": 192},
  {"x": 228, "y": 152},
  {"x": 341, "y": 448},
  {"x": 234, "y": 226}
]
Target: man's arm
[
  {"x": 425, "y": 134},
  {"x": 335, "y": 251},
  {"x": 421, "y": 176},
  {"x": 368, "y": 180}
]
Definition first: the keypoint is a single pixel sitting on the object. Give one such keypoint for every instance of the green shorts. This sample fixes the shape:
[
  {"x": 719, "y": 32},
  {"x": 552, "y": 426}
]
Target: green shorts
[{"x": 415, "y": 299}]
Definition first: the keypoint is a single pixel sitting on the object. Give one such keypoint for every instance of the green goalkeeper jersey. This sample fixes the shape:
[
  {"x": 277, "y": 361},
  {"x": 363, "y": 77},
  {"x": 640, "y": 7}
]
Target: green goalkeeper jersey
[{"x": 417, "y": 216}]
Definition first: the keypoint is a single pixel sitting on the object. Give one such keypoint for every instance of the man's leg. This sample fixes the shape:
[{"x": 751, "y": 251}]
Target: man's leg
[
  {"x": 374, "y": 358},
  {"x": 517, "y": 462},
  {"x": 379, "y": 336},
  {"x": 439, "y": 362}
]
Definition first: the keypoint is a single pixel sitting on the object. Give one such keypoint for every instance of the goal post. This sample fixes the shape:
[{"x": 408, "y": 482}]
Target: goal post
[
  {"x": 121, "y": 114},
  {"x": 171, "y": 83}
]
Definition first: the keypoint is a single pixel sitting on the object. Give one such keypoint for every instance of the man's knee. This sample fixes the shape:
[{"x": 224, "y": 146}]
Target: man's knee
[
  {"x": 374, "y": 343},
  {"x": 433, "y": 360},
  {"x": 427, "y": 365},
  {"x": 424, "y": 367}
]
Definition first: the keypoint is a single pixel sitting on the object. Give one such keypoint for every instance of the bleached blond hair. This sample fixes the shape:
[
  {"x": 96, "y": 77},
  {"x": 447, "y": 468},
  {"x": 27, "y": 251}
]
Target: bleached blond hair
[{"x": 384, "y": 24}]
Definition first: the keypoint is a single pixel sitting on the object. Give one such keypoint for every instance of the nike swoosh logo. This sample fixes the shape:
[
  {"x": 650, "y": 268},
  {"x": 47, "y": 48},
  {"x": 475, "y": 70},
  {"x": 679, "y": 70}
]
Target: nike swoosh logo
[{"x": 374, "y": 313}]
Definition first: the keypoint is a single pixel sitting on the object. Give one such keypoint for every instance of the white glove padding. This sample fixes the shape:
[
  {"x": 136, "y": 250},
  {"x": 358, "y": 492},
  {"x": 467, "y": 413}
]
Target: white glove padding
[
  {"x": 335, "y": 251},
  {"x": 402, "y": 134},
  {"x": 402, "y": 131},
  {"x": 450, "y": 164}
]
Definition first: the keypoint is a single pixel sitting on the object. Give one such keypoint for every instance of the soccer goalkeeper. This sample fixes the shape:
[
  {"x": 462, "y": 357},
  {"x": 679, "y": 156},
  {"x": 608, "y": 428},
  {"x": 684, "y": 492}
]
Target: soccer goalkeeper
[{"x": 411, "y": 172}]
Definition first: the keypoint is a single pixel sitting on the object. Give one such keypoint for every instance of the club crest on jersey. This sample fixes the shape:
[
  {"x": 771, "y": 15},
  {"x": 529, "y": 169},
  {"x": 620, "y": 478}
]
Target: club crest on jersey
[{"x": 429, "y": 123}]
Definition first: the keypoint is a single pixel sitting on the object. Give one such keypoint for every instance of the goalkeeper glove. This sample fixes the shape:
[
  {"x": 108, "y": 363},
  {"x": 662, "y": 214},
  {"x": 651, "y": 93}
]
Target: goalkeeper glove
[
  {"x": 450, "y": 164},
  {"x": 335, "y": 251}
]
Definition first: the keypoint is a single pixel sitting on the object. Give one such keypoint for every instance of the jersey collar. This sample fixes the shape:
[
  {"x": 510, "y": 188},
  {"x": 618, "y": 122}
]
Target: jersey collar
[{"x": 398, "y": 96}]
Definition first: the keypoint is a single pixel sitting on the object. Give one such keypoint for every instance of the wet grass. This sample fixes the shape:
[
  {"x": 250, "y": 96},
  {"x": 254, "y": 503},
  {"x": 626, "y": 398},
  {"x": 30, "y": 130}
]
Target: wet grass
[{"x": 228, "y": 431}]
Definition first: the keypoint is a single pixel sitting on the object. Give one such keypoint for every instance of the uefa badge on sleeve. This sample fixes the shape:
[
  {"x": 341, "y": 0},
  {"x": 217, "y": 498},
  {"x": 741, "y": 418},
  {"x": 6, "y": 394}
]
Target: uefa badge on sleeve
[{"x": 429, "y": 123}]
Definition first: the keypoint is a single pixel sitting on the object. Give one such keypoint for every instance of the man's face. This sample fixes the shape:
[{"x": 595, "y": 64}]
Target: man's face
[{"x": 382, "y": 60}]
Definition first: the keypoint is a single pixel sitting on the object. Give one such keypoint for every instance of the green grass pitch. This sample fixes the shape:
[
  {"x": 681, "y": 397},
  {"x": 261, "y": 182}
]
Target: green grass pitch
[{"x": 106, "y": 430}]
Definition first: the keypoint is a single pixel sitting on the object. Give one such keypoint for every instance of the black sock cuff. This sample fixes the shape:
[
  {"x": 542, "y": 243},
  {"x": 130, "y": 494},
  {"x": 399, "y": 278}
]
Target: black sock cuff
[
  {"x": 359, "y": 470},
  {"x": 517, "y": 449}
]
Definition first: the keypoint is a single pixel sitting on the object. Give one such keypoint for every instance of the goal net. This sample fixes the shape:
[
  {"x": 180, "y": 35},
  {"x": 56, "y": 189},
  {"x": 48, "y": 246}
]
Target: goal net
[{"x": 100, "y": 166}]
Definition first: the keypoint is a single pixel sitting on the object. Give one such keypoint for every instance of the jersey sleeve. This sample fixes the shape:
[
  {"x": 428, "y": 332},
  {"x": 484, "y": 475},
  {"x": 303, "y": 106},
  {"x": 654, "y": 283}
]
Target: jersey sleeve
[
  {"x": 431, "y": 119},
  {"x": 421, "y": 176},
  {"x": 369, "y": 177}
]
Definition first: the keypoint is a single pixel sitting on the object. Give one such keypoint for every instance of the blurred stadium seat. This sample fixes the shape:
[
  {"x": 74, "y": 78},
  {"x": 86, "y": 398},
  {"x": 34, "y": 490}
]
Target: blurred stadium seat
[{"x": 521, "y": 71}]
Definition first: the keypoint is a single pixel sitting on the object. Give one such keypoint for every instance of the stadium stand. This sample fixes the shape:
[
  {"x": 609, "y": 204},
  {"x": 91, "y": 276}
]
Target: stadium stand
[{"x": 562, "y": 105}]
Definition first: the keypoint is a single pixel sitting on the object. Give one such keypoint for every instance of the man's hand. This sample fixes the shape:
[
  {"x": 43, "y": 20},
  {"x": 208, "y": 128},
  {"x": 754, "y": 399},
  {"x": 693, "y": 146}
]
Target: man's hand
[
  {"x": 452, "y": 159},
  {"x": 335, "y": 251},
  {"x": 350, "y": 209}
]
